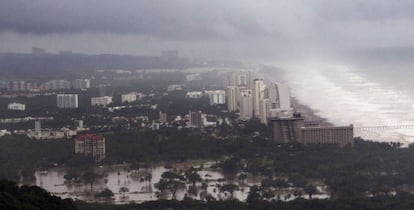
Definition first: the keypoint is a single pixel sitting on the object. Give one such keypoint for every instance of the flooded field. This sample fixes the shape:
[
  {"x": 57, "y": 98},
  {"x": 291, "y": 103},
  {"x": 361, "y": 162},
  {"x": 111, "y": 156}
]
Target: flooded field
[{"x": 140, "y": 185}]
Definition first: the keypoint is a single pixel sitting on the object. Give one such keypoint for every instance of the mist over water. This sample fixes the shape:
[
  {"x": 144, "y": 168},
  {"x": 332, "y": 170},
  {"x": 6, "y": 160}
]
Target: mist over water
[{"x": 345, "y": 94}]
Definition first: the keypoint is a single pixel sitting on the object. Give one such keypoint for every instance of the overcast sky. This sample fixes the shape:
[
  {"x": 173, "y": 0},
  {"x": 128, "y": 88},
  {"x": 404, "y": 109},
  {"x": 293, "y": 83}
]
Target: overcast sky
[{"x": 232, "y": 28}]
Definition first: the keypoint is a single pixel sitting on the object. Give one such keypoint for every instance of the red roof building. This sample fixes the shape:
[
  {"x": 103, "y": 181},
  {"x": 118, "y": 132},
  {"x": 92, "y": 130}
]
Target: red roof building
[{"x": 90, "y": 145}]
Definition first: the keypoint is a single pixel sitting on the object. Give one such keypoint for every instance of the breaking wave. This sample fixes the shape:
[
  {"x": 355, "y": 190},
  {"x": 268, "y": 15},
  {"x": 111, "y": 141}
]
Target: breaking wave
[{"x": 344, "y": 96}]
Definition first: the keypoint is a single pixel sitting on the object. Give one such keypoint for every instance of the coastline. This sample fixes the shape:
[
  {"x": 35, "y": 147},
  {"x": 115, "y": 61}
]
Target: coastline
[{"x": 308, "y": 113}]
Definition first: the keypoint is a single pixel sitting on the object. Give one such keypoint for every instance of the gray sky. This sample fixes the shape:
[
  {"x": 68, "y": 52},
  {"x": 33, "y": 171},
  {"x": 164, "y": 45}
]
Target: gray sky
[{"x": 215, "y": 28}]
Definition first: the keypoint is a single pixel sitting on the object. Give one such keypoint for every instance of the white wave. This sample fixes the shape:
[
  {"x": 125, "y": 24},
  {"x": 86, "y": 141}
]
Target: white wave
[{"x": 344, "y": 96}]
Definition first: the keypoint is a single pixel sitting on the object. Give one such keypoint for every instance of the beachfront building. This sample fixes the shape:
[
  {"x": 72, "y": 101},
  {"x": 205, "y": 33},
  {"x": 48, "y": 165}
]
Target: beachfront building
[
  {"x": 340, "y": 135},
  {"x": 287, "y": 130}
]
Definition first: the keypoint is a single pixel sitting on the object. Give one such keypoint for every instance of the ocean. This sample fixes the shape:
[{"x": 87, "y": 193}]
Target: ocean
[{"x": 378, "y": 99}]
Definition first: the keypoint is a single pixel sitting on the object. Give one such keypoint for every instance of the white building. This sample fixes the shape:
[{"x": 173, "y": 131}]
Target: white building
[
  {"x": 258, "y": 94},
  {"x": 16, "y": 106},
  {"x": 238, "y": 78},
  {"x": 55, "y": 85},
  {"x": 81, "y": 84},
  {"x": 174, "y": 87},
  {"x": 193, "y": 77},
  {"x": 129, "y": 97},
  {"x": 232, "y": 98},
  {"x": 279, "y": 92},
  {"x": 264, "y": 110},
  {"x": 101, "y": 101},
  {"x": 67, "y": 101},
  {"x": 4, "y": 132},
  {"x": 194, "y": 94},
  {"x": 246, "y": 104},
  {"x": 216, "y": 97}
]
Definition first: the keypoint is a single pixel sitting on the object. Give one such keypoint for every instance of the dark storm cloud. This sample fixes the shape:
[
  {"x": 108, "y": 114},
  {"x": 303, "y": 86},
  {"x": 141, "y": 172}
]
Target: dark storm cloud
[
  {"x": 236, "y": 26},
  {"x": 172, "y": 19}
]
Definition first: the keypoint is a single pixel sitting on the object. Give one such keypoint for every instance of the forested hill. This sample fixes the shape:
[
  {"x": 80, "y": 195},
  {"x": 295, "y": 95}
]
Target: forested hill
[{"x": 30, "y": 197}]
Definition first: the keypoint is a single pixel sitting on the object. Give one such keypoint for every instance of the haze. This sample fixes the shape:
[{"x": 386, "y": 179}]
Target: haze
[{"x": 209, "y": 29}]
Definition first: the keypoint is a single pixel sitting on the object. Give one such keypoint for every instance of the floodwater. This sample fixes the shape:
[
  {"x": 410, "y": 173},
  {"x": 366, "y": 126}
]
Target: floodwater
[{"x": 140, "y": 190}]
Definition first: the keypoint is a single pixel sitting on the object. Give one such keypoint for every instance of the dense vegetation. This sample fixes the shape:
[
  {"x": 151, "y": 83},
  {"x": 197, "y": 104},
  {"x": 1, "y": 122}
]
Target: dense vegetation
[
  {"x": 366, "y": 169},
  {"x": 400, "y": 202},
  {"x": 30, "y": 197}
]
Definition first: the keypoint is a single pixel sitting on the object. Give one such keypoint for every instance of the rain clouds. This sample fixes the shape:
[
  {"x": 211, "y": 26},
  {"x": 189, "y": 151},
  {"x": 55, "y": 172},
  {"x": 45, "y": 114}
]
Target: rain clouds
[{"x": 232, "y": 28}]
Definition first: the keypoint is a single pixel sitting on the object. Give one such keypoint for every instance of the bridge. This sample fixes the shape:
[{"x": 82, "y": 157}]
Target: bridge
[
  {"x": 385, "y": 133},
  {"x": 383, "y": 128}
]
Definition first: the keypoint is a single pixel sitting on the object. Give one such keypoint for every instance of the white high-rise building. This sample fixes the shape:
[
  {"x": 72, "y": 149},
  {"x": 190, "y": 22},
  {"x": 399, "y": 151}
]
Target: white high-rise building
[
  {"x": 232, "y": 98},
  {"x": 246, "y": 104},
  {"x": 258, "y": 94},
  {"x": 279, "y": 92},
  {"x": 216, "y": 97},
  {"x": 264, "y": 110},
  {"x": 101, "y": 101},
  {"x": 284, "y": 96},
  {"x": 67, "y": 101}
]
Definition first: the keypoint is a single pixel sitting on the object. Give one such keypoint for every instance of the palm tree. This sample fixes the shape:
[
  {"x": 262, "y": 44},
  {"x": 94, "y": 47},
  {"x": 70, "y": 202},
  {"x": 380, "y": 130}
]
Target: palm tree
[
  {"x": 123, "y": 190},
  {"x": 90, "y": 178}
]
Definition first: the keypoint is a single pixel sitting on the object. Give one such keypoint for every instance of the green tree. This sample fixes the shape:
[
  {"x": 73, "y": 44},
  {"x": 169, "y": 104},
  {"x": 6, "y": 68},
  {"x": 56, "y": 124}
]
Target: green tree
[
  {"x": 171, "y": 182},
  {"x": 106, "y": 193},
  {"x": 229, "y": 188},
  {"x": 90, "y": 178},
  {"x": 123, "y": 190},
  {"x": 310, "y": 190}
]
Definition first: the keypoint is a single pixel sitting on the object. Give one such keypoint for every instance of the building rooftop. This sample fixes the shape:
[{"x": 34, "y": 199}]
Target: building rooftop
[{"x": 89, "y": 136}]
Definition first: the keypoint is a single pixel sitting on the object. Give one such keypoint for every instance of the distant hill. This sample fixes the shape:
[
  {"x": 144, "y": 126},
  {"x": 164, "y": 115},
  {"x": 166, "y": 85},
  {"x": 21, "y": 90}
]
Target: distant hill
[{"x": 30, "y": 64}]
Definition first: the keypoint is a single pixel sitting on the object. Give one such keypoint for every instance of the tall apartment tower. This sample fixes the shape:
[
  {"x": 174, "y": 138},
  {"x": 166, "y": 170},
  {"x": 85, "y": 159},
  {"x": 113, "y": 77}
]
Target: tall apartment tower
[
  {"x": 287, "y": 130},
  {"x": 279, "y": 92},
  {"x": 196, "y": 119},
  {"x": 232, "y": 98},
  {"x": 217, "y": 97},
  {"x": 264, "y": 109},
  {"x": 246, "y": 104},
  {"x": 90, "y": 145},
  {"x": 67, "y": 101},
  {"x": 258, "y": 94}
]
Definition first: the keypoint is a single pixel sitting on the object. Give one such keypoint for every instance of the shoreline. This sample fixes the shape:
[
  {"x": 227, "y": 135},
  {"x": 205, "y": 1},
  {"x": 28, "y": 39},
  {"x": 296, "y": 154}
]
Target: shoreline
[{"x": 308, "y": 113}]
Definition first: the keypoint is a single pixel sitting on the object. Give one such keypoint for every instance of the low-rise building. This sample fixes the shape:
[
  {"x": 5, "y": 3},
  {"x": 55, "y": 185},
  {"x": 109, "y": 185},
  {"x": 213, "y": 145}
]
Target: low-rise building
[
  {"x": 174, "y": 87},
  {"x": 101, "y": 101},
  {"x": 16, "y": 106},
  {"x": 129, "y": 97},
  {"x": 194, "y": 94}
]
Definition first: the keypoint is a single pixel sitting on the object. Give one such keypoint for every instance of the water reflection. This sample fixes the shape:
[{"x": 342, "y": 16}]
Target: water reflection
[{"x": 141, "y": 185}]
